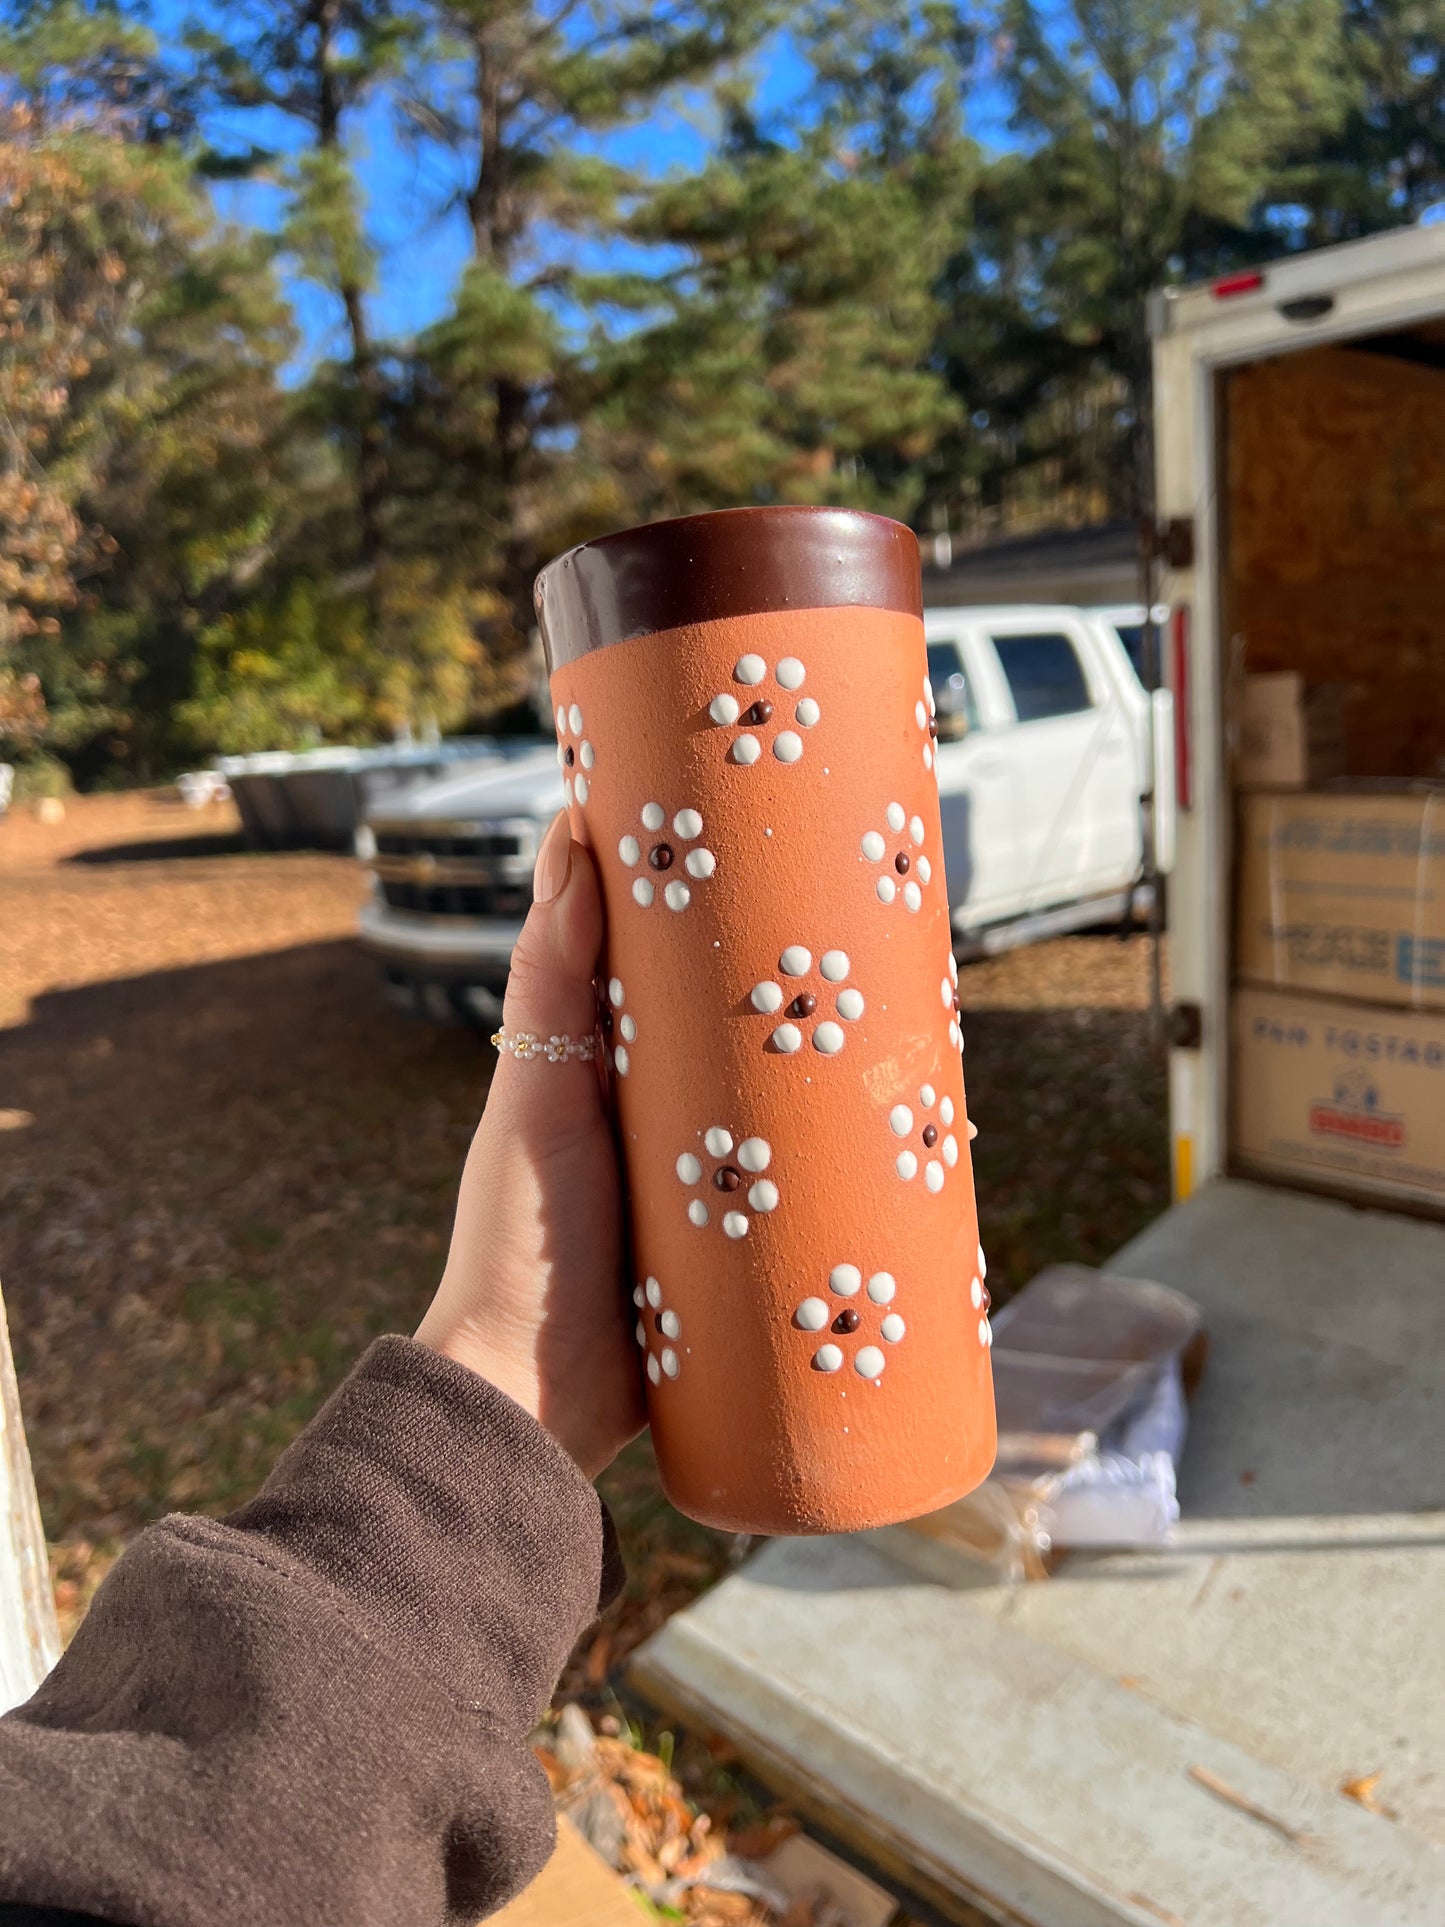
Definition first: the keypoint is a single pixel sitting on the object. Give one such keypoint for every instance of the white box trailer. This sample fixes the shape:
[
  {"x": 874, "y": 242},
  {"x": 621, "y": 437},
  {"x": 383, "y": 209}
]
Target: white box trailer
[{"x": 1241, "y": 1728}]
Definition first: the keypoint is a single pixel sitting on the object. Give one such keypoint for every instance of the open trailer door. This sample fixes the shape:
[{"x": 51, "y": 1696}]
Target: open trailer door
[{"x": 29, "y": 1637}]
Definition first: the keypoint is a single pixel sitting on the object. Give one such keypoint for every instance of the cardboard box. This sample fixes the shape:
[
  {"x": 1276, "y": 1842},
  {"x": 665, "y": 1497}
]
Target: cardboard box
[
  {"x": 1340, "y": 1094},
  {"x": 1288, "y": 734},
  {"x": 1344, "y": 893}
]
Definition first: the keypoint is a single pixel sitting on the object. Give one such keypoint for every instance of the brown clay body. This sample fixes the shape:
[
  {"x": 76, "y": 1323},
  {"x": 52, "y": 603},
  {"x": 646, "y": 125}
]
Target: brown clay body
[{"x": 759, "y": 791}]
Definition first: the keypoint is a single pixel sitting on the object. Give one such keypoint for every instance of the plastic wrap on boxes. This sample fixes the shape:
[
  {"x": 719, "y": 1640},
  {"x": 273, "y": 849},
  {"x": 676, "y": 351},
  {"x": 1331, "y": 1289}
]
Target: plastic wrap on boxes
[{"x": 1090, "y": 1374}]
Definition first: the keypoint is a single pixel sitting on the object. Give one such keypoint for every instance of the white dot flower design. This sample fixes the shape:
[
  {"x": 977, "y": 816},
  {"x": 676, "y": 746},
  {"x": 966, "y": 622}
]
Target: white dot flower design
[
  {"x": 658, "y": 857},
  {"x": 736, "y": 1178},
  {"x": 734, "y": 712},
  {"x": 931, "y": 1124},
  {"x": 948, "y": 991},
  {"x": 575, "y": 753},
  {"x": 978, "y": 1297},
  {"x": 798, "y": 1007},
  {"x": 621, "y": 1024},
  {"x": 659, "y": 1332},
  {"x": 904, "y": 867},
  {"x": 852, "y": 1321},
  {"x": 925, "y": 714}
]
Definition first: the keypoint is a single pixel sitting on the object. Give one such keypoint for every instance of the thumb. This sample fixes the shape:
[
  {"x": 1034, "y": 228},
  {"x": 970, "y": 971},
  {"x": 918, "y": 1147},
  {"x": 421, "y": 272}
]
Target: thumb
[{"x": 550, "y": 989}]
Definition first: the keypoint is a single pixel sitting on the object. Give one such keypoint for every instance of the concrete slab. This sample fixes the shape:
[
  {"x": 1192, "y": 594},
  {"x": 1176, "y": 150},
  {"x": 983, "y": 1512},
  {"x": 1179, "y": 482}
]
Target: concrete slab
[{"x": 1039, "y": 1749}]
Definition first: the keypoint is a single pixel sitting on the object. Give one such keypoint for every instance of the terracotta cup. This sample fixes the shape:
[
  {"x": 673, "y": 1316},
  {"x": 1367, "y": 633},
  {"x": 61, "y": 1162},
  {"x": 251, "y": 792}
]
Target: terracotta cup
[{"x": 745, "y": 725}]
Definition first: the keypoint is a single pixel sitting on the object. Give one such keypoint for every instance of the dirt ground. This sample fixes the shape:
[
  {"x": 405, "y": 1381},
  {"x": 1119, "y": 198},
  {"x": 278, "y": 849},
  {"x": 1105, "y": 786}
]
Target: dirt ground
[{"x": 226, "y": 1163}]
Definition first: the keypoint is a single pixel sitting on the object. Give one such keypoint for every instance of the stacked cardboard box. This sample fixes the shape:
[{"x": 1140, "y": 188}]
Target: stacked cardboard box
[{"x": 1339, "y": 1026}]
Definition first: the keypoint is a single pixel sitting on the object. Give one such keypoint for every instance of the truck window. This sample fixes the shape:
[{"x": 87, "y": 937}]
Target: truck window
[
  {"x": 957, "y": 711},
  {"x": 1131, "y": 634},
  {"x": 1044, "y": 675}
]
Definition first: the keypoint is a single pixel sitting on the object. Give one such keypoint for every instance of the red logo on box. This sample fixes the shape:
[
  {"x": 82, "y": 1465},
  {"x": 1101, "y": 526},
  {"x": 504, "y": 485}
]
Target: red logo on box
[{"x": 1354, "y": 1112}]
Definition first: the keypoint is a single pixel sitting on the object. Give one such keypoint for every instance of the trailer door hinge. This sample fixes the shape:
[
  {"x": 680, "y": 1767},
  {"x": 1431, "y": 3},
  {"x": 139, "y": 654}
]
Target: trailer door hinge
[
  {"x": 1172, "y": 541},
  {"x": 1185, "y": 1026}
]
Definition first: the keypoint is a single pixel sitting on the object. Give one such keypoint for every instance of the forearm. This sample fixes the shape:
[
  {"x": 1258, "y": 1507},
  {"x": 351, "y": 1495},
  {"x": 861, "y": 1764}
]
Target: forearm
[{"x": 317, "y": 1710}]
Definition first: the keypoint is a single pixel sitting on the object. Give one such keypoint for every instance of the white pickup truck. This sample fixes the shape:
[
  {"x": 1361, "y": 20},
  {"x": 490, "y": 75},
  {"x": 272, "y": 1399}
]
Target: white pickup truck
[{"x": 1045, "y": 763}]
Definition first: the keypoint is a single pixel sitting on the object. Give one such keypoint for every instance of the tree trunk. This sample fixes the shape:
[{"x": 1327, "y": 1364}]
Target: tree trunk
[{"x": 29, "y": 1635}]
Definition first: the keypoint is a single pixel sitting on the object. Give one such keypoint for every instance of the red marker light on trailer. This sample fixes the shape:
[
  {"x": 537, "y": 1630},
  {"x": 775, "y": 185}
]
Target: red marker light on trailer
[
  {"x": 1231, "y": 284},
  {"x": 1183, "y": 707}
]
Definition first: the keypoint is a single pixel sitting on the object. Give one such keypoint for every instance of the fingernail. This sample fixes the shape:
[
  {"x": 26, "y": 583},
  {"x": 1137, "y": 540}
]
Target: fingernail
[{"x": 554, "y": 860}]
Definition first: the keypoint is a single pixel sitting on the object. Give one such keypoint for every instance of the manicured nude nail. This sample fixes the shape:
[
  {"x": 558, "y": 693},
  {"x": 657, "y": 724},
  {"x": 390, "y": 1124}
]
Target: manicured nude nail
[{"x": 554, "y": 860}]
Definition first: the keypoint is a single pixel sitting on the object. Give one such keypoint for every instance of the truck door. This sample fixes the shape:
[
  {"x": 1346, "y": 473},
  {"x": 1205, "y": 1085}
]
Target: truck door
[
  {"x": 1072, "y": 763},
  {"x": 975, "y": 793}
]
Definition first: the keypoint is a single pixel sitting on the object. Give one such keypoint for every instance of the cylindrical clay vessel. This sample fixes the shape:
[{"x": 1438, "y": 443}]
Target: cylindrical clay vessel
[{"x": 745, "y": 725}]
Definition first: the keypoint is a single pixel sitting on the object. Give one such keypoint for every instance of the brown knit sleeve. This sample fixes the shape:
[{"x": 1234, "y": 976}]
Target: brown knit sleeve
[{"x": 316, "y": 1711}]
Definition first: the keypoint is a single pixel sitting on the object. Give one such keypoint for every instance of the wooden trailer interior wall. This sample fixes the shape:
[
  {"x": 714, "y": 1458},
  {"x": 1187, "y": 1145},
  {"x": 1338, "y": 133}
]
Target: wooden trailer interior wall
[{"x": 1333, "y": 526}]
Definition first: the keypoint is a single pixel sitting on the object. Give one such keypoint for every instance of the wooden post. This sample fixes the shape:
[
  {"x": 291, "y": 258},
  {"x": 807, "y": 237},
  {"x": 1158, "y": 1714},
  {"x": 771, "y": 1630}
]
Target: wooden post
[{"x": 29, "y": 1635}]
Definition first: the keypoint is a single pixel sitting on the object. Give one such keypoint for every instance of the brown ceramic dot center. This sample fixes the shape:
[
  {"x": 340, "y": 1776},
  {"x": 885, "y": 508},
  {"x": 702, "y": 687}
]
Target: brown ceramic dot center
[
  {"x": 728, "y": 1178},
  {"x": 569, "y": 756},
  {"x": 930, "y": 1135},
  {"x": 660, "y": 856},
  {"x": 803, "y": 1005},
  {"x": 847, "y": 1321},
  {"x": 900, "y": 863},
  {"x": 760, "y": 711},
  {"x": 987, "y": 1298}
]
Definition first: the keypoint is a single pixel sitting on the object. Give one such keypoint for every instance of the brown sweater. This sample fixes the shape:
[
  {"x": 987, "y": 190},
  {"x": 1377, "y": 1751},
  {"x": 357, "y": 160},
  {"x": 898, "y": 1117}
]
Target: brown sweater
[{"x": 316, "y": 1711}]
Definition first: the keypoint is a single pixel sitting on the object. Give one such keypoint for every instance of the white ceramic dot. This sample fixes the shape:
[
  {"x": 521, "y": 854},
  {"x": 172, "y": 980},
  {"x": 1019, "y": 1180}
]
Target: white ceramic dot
[
  {"x": 907, "y": 1165},
  {"x": 574, "y": 717},
  {"x": 621, "y": 1062},
  {"x": 912, "y": 895},
  {"x": 927, "y": 1096},
  {"x": 845, "y": 1280},
  {"x": 953, "y": 966},
  {"x": 654, "y": 1370},
  {"x": 924, "y": 869},
  {"x": 945, "y": 993},
  {"x": 896, "y": 816},
  {"x": 850, "y": 1004},
  {"x": 920, "y": 714},
  {"x": 975, "y": 1294},
  {"x": 642, "y": 891},
  {"x": 828, "y": 1038},
  {"x": 588, "y": 755},
  {"x": 718, "y": 1141},
  {"x": 567, "y": 788},
  {"x": 811, "y": 1315},
  {"x": 982, "y": 1263},
  {"x": 699, "y": 863},
  {"x": 887, "y": 889},
  {"x": 873, "y": 846},
  {"x": 561, "y": 757},
  {"x": 788, "y": 1038},
  {"x": 677, "y": 896},
  {"x": 654, "y": 1293},
  {"x": 806, "y": 713},
  {"x": 915, "y": 828},
  {"x": 630, "y": 850},
  {"x": 669, "y": 1361},
  {"x": 747, "y": 749},
  {"x": 750, "y": 669},
  {"x": 928, "y": 756},
  {"x": 928, "y": 693},
  {"x": 639, "y": 1332},
  {"x": 827, "y": 1358},
  {"x": 755, "y": 1154},
  {"x": 579, "y": 787},
  {"x": 561, "y": 720},
  {"x": 723, "y": 709},
  {"x": 688, "y": 824},
  {"x": 869, "y": 1363},
  {"x": 639, "y": 1297},
  {"x": 892, "y": 1328},
  {"x": 689, "y": 1168},
  {"x": 697, "y": 1211},
  {"x": 767, "y": 997},
  {"x": 616, "y": 995},
  {"x": 882, "y": 1287},
  {"x": 949, "y": 1148},
  {"x": 900, "y": 1119},
  {"x": 985, "y": 1336},
  {"x": 791, "y": 673},
  {"x": 763, "y": 1196},
  {"x": 653, "y": 816},
  {"x": 955, "y": 1036},
  {"x": 834, "y": 965},
  {"x": 735, "y": 1224},
  {"x": 787, "y": 746},
  {"x": 933, "y": 1175},
  {"x": 671, "y": 1325},
  {"x": 628, "y": 1027},
  {"x": 795, "y": 961},
  {"x": 972, "y": 1130},
  {"x": 945, "y": 1109}
]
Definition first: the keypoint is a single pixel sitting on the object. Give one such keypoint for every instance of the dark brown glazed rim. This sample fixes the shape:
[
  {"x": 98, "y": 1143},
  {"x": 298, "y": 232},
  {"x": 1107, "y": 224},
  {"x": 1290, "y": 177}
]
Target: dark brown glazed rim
[{"x": 731, "y": 562}]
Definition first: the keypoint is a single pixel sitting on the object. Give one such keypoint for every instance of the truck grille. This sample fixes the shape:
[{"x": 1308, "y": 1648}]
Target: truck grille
[
  {"x": 484, "y": 843},
  {"x": 458, "y": 899},
  {"x": 456, "y": 869}
]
